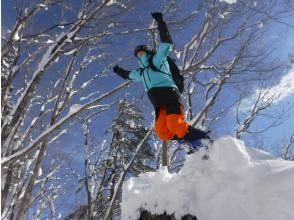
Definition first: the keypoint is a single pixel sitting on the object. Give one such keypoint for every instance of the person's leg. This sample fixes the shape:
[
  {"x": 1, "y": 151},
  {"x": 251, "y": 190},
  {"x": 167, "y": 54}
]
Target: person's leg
[
  {"x": 176, "y": 123},
  {"x": 161, "y": 124}
]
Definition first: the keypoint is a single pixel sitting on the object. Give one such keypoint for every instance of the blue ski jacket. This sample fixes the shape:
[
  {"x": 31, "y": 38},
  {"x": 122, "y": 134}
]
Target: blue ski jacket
[{"x": 154, "y": 79}]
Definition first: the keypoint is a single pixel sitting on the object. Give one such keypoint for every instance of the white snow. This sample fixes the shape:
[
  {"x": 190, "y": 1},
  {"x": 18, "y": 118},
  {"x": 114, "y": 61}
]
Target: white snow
[
  {"x": 114, "y": 2},
  {"x": 229, "y": 1},
  {"x": 44, "y": 6},
  {"x": 111, "y": 2},
  {"x": 56, "y": 60},
  {"x": 178, "y": 54},
  {"x": 235, "y": 183},
  {"x": 111, "y": 25},
  {"x": 74, "y": 108},
  {"x": 68, "y": 40},
  {"x": 16, "y": 36},
  {"x": 191, "y": 88},
  {"x": 89, "y": 96},
  {"x": 40, "y": 172},
  {"x": 5, "y": 63},
  {"x": 49, "y": 41},
  {"x": 260, "y": 25},
  {"x": 132, "y": 123},
  {"x": 70, "y": 52},
  {"x": 221, "y": 15}
]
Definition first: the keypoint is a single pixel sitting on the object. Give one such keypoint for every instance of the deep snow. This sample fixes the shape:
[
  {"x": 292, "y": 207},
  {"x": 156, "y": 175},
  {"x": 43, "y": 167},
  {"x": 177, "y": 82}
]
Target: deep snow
[{"x": 235, "y": 183}]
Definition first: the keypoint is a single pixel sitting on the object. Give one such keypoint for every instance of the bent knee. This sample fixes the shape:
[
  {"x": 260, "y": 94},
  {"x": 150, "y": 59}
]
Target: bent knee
[
  {"x": 177, "y": 126},
  {"x": 163, "y": 132}
]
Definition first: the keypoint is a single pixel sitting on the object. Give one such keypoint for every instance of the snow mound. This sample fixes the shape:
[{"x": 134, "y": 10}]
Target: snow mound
[{"x": 235, "y": 183}]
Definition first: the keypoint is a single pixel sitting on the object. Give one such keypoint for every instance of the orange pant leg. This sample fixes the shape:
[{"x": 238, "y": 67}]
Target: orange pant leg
[
  {"x": 161, "y": 125},
  {"x": 177, "y": 125}
]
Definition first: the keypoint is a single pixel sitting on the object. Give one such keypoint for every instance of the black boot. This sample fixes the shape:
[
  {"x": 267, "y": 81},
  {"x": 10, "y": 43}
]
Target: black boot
[
  {"x": 196, "y": 134},
  {"x": 193, "y": 138}
]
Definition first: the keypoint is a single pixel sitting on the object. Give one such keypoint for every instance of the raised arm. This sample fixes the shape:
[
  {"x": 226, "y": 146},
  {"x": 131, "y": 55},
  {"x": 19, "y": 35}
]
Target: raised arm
[
  {"x": 162, "y": 28},
  {"x": 166, "y": 43}
]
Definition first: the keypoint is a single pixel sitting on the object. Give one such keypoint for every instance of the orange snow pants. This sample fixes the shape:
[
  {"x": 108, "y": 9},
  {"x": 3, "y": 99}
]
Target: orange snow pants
[{"x": 170, "y": 125}]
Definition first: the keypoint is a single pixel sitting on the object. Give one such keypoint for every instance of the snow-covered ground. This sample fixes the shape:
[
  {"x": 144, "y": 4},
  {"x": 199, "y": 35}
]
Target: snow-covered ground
[{"x": 237, "y": 182}]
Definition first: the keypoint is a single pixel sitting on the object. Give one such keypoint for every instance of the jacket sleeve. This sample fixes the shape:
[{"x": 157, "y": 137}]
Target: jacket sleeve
[
  {"x": 135, "y": 75},
  {"x": 163, "y": 50},
  {"x": 164, "y": 32},
  {"x": 121, "y": 72}
]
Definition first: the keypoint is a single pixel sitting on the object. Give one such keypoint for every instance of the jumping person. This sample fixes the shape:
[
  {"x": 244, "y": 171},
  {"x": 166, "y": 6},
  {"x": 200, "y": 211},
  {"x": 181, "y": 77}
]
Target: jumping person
[{"x": 155, "y": 74}]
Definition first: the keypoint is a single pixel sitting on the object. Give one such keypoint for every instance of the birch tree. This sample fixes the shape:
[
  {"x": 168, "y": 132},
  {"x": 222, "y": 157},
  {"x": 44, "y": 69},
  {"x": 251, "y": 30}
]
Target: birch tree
[
  {"x": 33, "y": 118},
  {"x": 228, "y": 51},
  {"x": 48, "y": 79},
  {"x": 207, "y": 67},
  {"x": 105, "y": 165}
]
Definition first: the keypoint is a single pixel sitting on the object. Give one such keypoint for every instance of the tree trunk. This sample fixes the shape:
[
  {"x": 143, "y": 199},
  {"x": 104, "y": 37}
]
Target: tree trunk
[
  {"x": 165, "y": 153},
  {"x": 5, "y": 190},
  {"x": 25, "y": 201}
]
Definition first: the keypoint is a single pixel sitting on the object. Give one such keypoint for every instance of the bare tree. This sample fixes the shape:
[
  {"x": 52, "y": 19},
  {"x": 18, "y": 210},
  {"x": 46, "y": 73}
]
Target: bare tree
[
  {"x": 48, "y": 79},
  {"x": 204, "y": 47},
  {"x": 105, "y": 168},
  {"x": 26, "y": 134},
  {"x": 264, "y": 100},
  {"x": 289, "y": 148},
  {"x": 227, "y": 52}
]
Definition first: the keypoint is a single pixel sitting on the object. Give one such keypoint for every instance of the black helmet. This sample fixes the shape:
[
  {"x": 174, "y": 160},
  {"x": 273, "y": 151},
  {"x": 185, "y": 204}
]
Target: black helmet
[{"x": 142, "y": 48}]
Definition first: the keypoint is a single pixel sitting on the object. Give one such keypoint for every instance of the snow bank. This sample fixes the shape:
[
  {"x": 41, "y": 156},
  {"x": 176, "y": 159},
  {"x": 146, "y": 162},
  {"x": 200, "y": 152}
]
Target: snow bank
[{"x": 235, "y": 183}]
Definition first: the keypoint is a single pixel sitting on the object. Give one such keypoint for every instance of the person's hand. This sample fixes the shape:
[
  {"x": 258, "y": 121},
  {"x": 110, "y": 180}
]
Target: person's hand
[
  {"x": 116, "y": 69},
  {"x": 121, "y": 72},
  {"x": 157, "y": 16}
]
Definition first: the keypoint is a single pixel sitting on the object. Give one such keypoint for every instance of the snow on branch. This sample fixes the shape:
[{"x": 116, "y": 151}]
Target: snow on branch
[
  {"x": 50, "y": 56},
  {"x": 229, "y": 1},
  {"x": 53, "y": 128}
]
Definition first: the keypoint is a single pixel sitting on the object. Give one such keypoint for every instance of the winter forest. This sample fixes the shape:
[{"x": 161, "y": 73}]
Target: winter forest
[{"x": 73, "y": 132}]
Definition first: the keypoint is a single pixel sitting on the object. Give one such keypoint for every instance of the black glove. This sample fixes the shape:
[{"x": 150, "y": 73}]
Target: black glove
[
  {"x": 116, "y": 69},
  {"x": 162, "y": 27},
  {"x": 121, "y": 72},
  {"x": 157, "y": 16}
]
